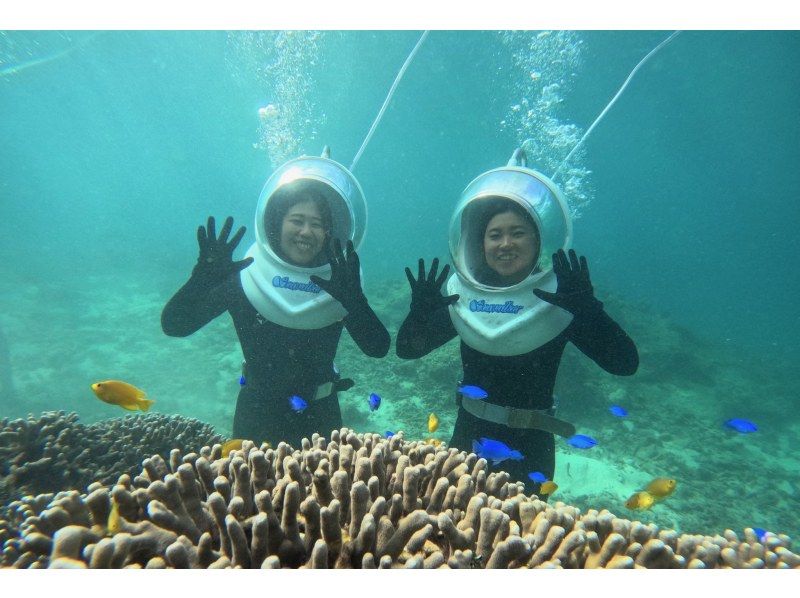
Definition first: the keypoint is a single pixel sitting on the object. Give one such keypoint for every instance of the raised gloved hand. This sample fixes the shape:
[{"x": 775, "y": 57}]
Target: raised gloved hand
[
  {"x": 215, "y": 263},
  {"x": 426, "y": 294},
  {"x": 345, "y": 282},
  {"x": 574, "y": 292}
]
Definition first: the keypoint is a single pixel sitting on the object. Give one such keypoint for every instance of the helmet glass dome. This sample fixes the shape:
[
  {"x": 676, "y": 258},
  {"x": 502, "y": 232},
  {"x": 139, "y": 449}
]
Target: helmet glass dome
[
  {"x": 303, "y": 204},
  {"x": 506, "y": 226}
]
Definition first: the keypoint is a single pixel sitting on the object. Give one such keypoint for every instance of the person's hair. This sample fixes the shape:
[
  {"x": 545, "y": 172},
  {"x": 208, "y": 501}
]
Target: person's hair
[
  {"x": 490, "y": 208},
  {"x": 284, "y": 200}
]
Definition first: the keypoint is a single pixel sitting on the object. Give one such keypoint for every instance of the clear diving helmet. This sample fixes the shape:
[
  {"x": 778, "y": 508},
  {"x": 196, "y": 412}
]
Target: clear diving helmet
[
  {"x": 499, "y": 314},
  {"x": 280, "y": 290}
]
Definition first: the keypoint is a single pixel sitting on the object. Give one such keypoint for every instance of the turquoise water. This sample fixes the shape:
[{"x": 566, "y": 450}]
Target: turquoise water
[{"x": 116, "y": 145}]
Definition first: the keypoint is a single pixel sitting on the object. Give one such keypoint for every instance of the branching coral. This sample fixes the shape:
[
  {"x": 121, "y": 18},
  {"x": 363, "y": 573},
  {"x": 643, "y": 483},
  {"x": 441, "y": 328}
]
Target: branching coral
[
  {"x": 55, "y": 452},
  {"x": 357, "y": 501}
]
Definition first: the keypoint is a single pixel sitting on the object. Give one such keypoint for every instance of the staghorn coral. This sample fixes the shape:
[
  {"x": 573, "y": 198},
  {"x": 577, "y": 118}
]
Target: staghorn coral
[
  {"x": 55, "y": 452},
  {"x": 356, "y": 501}
]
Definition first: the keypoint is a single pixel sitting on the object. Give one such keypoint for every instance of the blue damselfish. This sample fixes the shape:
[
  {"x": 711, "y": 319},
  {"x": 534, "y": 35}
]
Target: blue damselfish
[
  {"x": 374, "y": 402},
  {"x": 472, "y": 392},
  {"x": 581, "y": 441},
  {"x": 618, "y": 411},
  {"x": 298, "y": 404},
  {"x": 741, "y": 425},
  {"x": 537, "y": 476},
  {"x": 495, "y": 451}
]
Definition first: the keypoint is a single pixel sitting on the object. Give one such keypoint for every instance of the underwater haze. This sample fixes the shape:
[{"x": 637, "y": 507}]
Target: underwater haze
[{"x": 117, "y": 145}]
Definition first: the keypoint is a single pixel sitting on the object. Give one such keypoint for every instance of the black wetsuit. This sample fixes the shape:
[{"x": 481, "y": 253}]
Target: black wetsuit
[
  {"x": 281, "y": 362},
  {"x": 523, "y": 381}
]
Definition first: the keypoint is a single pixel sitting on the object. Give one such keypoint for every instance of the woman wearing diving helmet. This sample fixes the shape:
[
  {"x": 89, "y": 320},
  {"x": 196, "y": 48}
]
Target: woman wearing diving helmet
[
  {"x": 288, "y": 316},
  {"x": 516, "y": 299}
]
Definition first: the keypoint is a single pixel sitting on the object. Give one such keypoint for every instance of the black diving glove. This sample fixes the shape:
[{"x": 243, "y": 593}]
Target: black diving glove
[
  {"x": 574, "y": 292},
  {"x": 426, "y": 294},
  {"x": 345, "y": 282},
  {"x": 215, "y": 263}
]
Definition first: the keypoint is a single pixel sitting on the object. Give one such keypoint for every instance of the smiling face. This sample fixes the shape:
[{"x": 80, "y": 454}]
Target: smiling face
[
  {"x": 510, "y": 246},
  {"x": 303, "y": 233}
]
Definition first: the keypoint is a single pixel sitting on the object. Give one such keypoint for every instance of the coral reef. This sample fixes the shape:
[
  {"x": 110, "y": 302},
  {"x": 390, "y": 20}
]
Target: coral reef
[
  {"x": 675, "y": 419},
  {"x": 358, "y": 501},
  {"x": 54, "y": 452}
]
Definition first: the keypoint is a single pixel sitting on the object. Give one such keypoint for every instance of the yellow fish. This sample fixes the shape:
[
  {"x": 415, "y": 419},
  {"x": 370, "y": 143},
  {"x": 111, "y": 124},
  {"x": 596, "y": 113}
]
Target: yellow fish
[
  {"x": 640, "y": 501},
  {"x": 433, "y": 423},
  {"x": 127, "y": 396},
  {"x": 548, "y": 487},
  {"x": 661, "y": 488},
  {"x": 433, "y": 441},
  {"x": 231, "y": 445},
  {"x": 114, "y": 524}
]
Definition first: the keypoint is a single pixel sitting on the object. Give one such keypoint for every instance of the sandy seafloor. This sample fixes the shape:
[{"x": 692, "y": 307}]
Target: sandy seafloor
[{"x": 62, "y": 339}]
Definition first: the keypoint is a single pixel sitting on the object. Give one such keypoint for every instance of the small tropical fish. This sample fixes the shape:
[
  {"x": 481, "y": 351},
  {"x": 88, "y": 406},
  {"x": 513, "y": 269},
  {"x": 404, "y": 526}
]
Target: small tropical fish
[
  {"x": 298, "y": 404},
  {"x": 433, "y": 441},
  {"x": 374, "y": 402},
  {"x": 581, "y": 441},
  {"x": 760, "y": 533},
  {"x": 242, "y": 381},
  {"x": 122, "y": 394},
  {"x": 548, "y": 487},
  {"x": 495, "y": 451},
  {"x": 388, "y": 433},
  {"x": 741, "y": 425},
  {"x": 234, "y": 444},
  {"x": 113, "y": 525},
  {"x": 640, "y": 501},
  {"x": 538, "y": 477},
  {"x": 618, "y": 411},
  {"x": 433, "y": 423},
  {"x": 472, "y": 392},
  {"x": 661, "y": 488}
]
